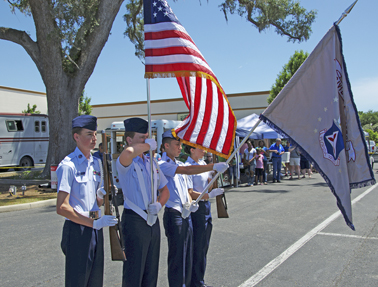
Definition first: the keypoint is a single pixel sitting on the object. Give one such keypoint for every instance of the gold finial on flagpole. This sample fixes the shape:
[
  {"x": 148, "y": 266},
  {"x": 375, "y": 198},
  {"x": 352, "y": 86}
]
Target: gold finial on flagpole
[{"x": 347, "y": 11}]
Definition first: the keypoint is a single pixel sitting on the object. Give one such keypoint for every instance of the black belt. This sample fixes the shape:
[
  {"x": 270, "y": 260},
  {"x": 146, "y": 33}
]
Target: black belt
[
  {"x": 170, "y": 209},
  {"x": 130, "y": 211}
]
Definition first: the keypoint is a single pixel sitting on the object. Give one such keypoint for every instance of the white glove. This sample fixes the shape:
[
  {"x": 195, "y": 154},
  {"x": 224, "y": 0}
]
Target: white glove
[
  {"x": 101, "y": 192},
  {"x": 106, "y": 220},
  {"x": 220, "y": 167},
  {"x": 154, "y": 208},
  {"x": 193, "y": 206},
  {"x": 152, "y": 143},
  {"x": 215, "y": 192}
]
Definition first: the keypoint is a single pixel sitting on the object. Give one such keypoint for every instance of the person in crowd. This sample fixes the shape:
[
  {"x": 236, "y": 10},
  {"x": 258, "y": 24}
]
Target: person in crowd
[
  {"x": 201, "y": 219},
  {"x": 287, "y": 164},
  {"x": 79, "y": 199},
  {"x": 250, "y": 161},
  {"x": 277, "y": 151},
  {"x": 265, "y": 160},
  {"x": 233, "y": 172},
  {"x": 294, "y": 162},
  {"x": 259, "y": 165},
  {"x": 208, "y": 157},
  {"x": 305, "y": 166},
  {"x": 141, "y": 238},
  {"x": 99, "y": 153},
  {"x": 179, "y": 230}
]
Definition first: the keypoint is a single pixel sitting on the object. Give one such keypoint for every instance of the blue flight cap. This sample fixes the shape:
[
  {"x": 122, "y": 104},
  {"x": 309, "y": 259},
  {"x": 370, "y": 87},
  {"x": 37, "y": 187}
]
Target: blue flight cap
[
  {"x": 86, "y": 122},
  {"x": 168, "y": 134},
  {"x": 136, "y": 125}
]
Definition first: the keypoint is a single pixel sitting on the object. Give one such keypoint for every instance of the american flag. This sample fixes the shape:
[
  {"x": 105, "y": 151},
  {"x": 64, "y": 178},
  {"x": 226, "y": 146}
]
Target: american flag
[{"x": 171, "y": 52}]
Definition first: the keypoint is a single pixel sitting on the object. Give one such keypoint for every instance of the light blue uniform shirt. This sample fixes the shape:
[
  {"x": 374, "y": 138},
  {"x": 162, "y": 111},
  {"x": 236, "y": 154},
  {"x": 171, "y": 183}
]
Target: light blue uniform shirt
[
  {"x": 81, "y": 178},
  {"x": 129, "y": 182},
  {"x": 168, "y": 167},
  {"x": 199, "y": 181}
]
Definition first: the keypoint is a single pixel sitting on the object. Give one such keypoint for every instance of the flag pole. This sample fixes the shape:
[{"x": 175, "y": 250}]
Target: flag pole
[
  {"x": 150, "y": 136},
  {"x": 228, "y": 161},
  {"x": 347, "y": 11}
]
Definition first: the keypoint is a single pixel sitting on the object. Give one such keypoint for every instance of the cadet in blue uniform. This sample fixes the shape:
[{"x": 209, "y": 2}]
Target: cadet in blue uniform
[
  {"x": 179, "y": 230},
  {"x": 141, "y": 235},
  {"x": 201, "y": 219},
  {"x": 79, "y": 196}
]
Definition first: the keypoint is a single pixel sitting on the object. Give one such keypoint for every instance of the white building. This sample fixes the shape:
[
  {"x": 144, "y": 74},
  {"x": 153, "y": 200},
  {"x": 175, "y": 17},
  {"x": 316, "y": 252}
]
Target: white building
[
  {"x": 243, "y": 104},
  {"x": 17, "y": 100}
]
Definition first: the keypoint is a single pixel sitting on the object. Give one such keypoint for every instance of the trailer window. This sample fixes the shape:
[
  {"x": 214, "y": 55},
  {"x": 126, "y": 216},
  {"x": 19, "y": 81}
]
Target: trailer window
[
  {"x": 36, "y": 126},
  {"x": 43, "y": 126},
  {"x": 14, "y": 126}
]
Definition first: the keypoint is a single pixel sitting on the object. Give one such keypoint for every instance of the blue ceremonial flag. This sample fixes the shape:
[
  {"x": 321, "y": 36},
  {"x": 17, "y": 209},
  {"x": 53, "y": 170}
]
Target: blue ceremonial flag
[{"x": 316, "y": 111}]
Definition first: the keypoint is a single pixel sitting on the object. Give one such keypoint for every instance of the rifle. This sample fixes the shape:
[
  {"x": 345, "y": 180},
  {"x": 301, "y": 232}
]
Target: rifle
[
  {"x": 221, "y": 200},
  {"x": 115, "y": 233}
]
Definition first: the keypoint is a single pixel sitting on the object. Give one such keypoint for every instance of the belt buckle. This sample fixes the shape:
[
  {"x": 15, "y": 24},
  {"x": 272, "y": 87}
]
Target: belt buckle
[{"x": 94, "y": 214}]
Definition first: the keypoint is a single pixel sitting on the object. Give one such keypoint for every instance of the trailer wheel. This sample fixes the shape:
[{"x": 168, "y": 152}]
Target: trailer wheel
[{"x": 27, "y": 162}]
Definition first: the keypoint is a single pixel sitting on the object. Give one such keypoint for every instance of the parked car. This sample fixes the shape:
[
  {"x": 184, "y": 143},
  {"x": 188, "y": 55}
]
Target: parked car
[{"x": 371, "y": 147}]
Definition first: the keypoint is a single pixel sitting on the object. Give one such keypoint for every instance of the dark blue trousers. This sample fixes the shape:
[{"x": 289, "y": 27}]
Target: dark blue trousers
[
  {"x": 179, "y": 232},
  {"x": 84, "y": 250},
  {"x": 265, "y": 173},
  {"x": 277, "y": 165},
  {"x": 202, "y": 227},
  {"x": 142, "y": 249}
]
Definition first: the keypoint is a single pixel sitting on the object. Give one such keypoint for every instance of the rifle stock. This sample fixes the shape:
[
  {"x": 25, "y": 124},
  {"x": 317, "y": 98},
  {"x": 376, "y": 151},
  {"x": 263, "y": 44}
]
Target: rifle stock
[
  {"x": 116, "y": 245},
  {"x": 220, "y": 200}
]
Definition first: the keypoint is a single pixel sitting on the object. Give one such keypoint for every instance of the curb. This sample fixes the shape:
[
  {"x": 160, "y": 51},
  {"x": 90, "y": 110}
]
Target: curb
[{"x": 24, "y": 206}]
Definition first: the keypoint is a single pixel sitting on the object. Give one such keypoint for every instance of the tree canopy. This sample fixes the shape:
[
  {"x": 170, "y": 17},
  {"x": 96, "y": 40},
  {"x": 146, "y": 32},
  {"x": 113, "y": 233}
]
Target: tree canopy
[
  {"x": 287, "y": 72},
  {"x": 70, "y": 36},
  {"x": 85, "y": 107},
  {"x": 286, "y": 16},
  {"x": 369, "y": 123},
  {"x": 30, "y": 110}
]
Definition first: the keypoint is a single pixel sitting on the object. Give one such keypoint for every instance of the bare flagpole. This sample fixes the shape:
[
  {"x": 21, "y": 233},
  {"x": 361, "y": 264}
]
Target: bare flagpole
[
  {"x": 347, "y": 11},
  {"x": 150, "y": 218},
  {"x": 150, "y": 136}
]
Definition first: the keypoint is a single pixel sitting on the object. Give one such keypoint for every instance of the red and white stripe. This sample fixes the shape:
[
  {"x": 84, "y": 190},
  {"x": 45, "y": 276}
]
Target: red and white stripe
[
  {"x": 169, "y": 49},
  {"x": 211, "y": 122},
  {"x": 171, "y": 52}
]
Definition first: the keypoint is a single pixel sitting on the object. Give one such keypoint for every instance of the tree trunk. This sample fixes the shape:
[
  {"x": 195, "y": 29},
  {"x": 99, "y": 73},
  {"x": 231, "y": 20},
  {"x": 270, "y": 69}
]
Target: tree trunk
[{"x": 62, "y": 104}]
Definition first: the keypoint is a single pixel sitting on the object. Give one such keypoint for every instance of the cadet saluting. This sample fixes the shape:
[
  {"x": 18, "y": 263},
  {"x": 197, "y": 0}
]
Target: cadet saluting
[
  {"x": 201, "y": 219},
  {"x": 79, "y": 198},
  {"x": 141, "y": 237},
  {"x": 179, "y": 230}
]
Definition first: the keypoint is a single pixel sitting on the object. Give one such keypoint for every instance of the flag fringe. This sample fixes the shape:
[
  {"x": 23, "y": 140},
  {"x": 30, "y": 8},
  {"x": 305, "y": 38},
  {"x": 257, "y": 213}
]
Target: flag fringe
[
  {"x": 316, "y": 166},
  {"x": 154, "y": 75}
]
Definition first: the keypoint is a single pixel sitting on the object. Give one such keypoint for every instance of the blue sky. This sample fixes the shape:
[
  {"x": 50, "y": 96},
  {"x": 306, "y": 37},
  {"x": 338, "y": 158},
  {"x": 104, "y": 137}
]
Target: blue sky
[{"x": 243, "y": 59}]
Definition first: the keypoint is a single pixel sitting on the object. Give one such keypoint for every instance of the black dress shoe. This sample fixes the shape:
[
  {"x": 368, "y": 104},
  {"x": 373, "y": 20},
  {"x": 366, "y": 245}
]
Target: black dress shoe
[
  {"x": 278, "y": 181},
  {"x": 274, "y": 180}
]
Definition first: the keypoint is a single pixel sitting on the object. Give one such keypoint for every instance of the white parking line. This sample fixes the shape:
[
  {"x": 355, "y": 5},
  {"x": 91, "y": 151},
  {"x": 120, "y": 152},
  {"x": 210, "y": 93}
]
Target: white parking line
[
  {"x": 347, "y": 235},
  {"x": 272, "y": 265}
]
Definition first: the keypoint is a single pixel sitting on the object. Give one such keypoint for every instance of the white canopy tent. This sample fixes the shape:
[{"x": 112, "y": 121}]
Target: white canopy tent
[{"x": 263, "y": 131}]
